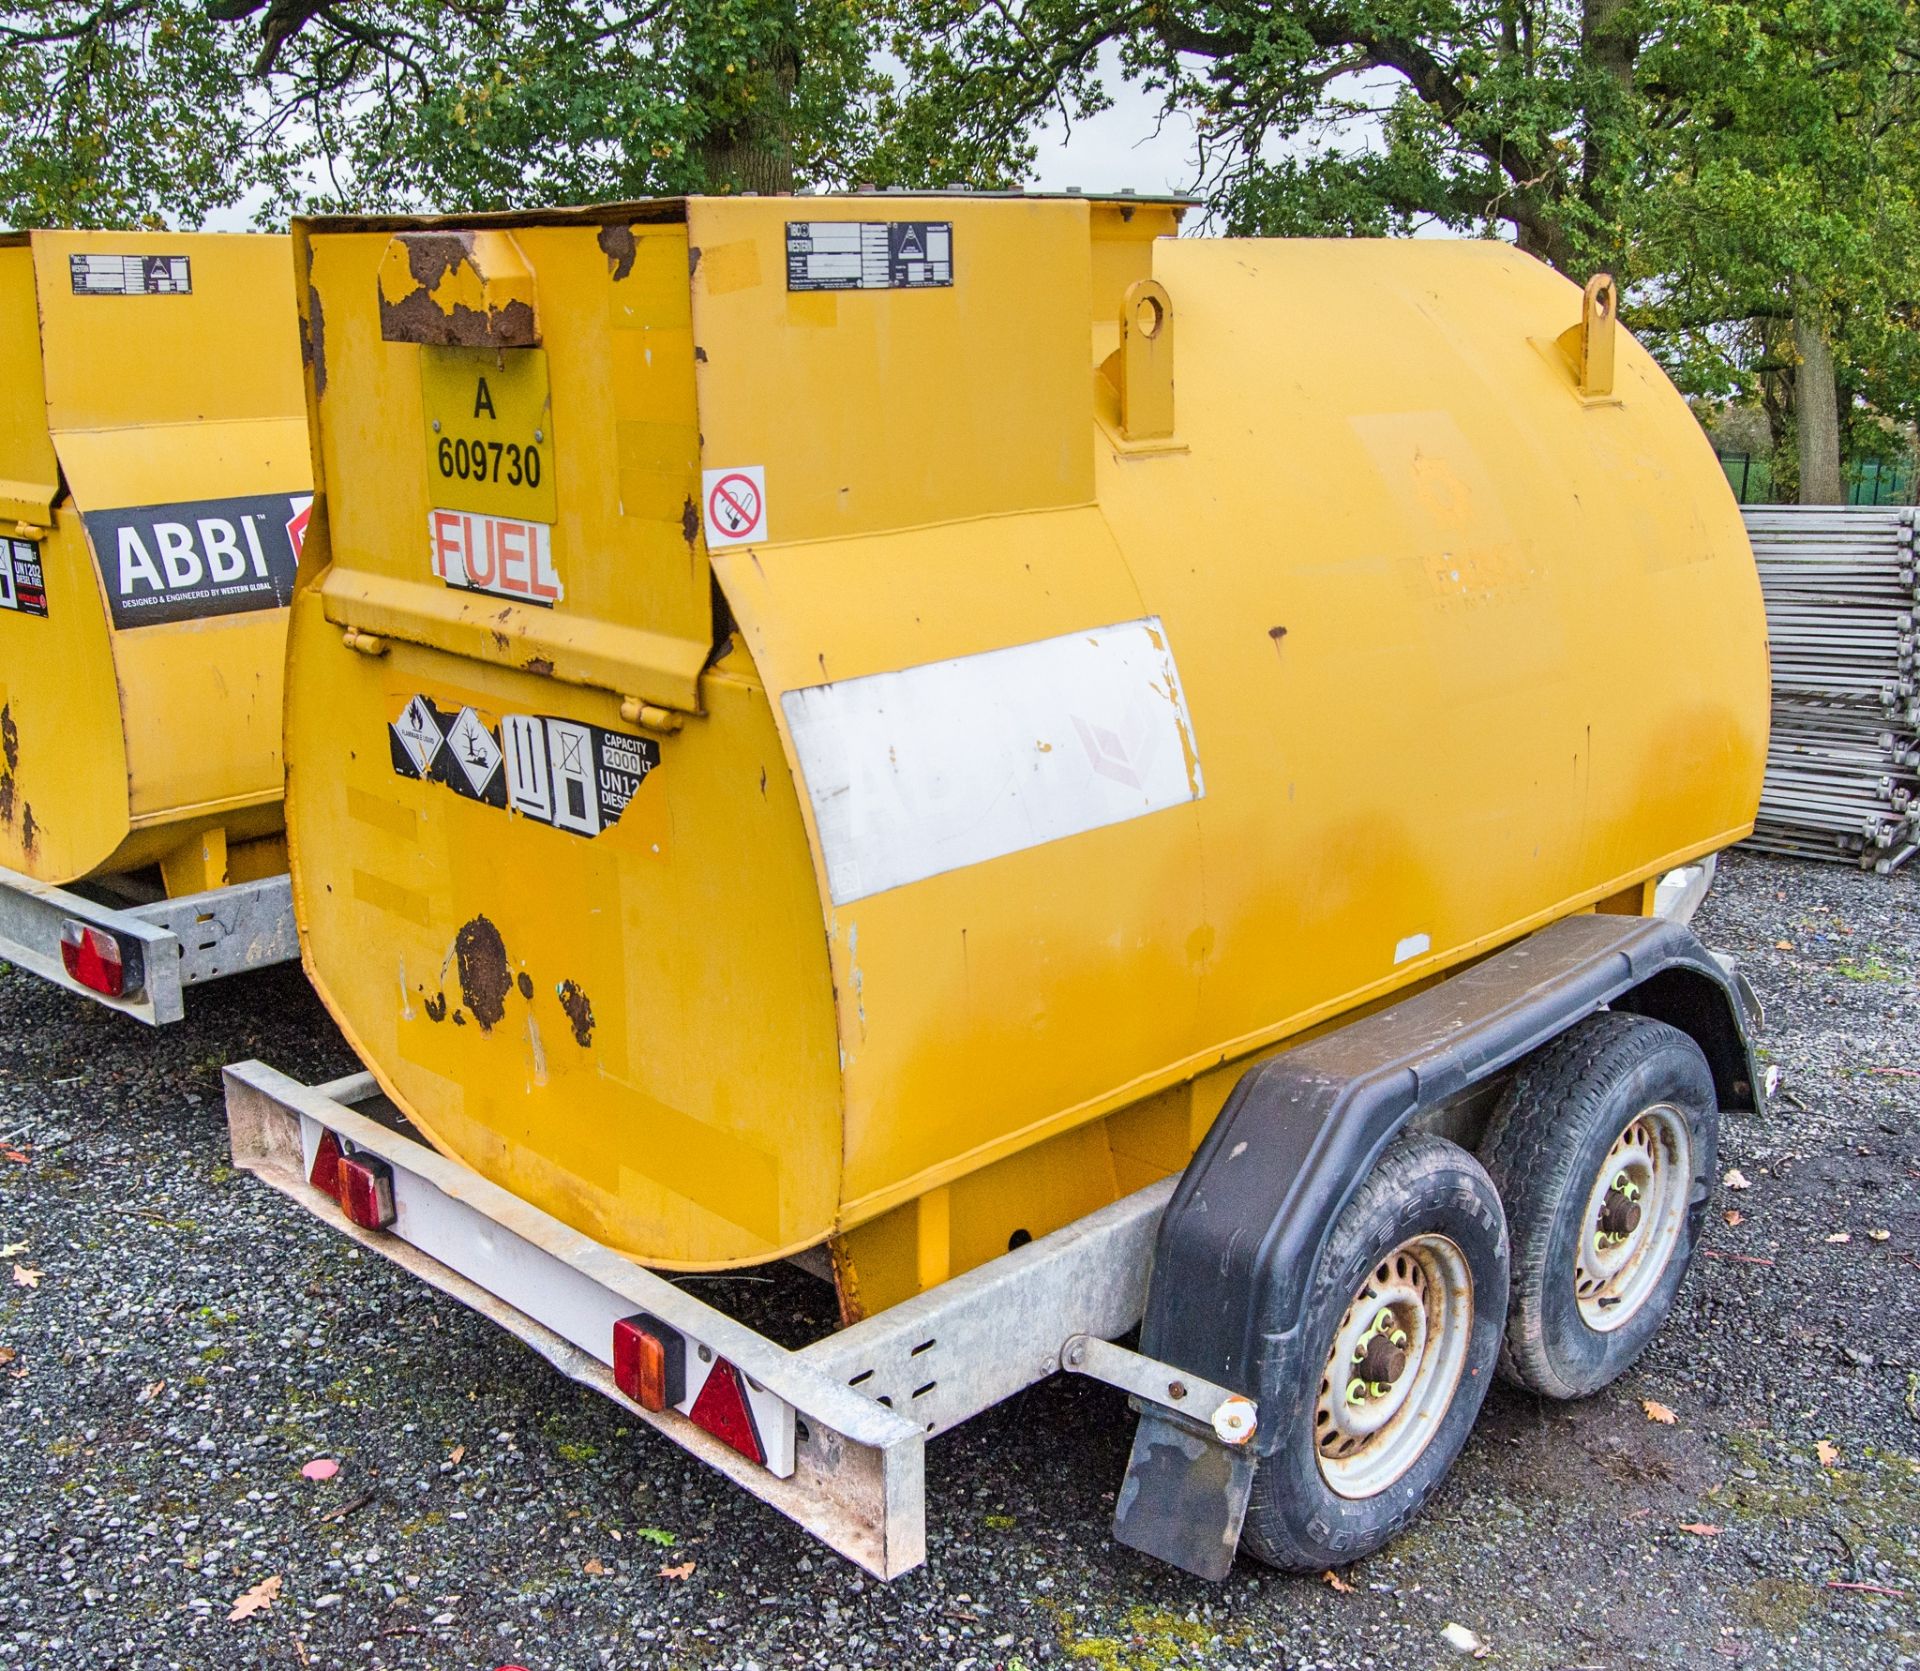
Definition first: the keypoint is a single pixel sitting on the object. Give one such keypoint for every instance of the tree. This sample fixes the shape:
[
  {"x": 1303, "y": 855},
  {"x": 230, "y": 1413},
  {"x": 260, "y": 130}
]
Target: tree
[
  {"x": 1730, "y": 162},
  {"x": 444, "y": 104}
]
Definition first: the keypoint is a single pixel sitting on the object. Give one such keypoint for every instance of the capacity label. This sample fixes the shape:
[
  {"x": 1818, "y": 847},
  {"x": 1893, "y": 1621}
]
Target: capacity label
[
  {"x": 561, "y": 772},
  {"x": 23, "y": 586}
]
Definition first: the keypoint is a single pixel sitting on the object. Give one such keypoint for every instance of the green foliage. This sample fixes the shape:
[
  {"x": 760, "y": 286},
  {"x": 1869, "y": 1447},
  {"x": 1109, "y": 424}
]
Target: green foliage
[
  {"x": 137, "y": 111},
  {"x": 1733, "y": 162},
  {"x": 127, "y": 115}
]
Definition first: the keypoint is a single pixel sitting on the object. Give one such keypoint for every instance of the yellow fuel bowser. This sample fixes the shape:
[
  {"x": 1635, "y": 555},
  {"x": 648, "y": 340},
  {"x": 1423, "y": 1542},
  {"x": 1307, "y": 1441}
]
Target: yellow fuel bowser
[
  {"x": 860, "y": 725},
  {"x": 154, "y": 488}
]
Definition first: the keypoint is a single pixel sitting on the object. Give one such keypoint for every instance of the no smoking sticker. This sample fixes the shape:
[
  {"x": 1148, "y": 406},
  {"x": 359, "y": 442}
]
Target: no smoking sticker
[{"x": 736, "y": 505}]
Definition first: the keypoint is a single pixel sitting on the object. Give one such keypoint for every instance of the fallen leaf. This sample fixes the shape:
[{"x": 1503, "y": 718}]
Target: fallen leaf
[
  {"x": 13, "y": 1154},
  {"x": 1783, "y": 945},
  {"x": 1828, "y": 1454},
  {"x": 320, "y": 1468},
  {"x": 1878, "y": 1235},
  {"x": 653, "y": 1534},
  {"x": 683, "y": 1570},
  {"x": 594, "y": 1567},
  {"x": 1733, "y": 1215},
  {"x": 1700, "y": 1529},
  {"x": 456, "y": 1453},
  {"x": 1736, "y": 1179},
  {"x": 1840, "y": 1236},
  {"x": 1658, "y": 1412},
  {"x": 151, "y": 1391},
  {"x": 6, "y": 1355},
  {"x": 1462, "y": 1639},
  {"x": 1336, "y": 1583},
  {"x": 257, "y": 1600},
  {"x": 12, "y": 1250},
  {"x": 25, "y": 1278}
]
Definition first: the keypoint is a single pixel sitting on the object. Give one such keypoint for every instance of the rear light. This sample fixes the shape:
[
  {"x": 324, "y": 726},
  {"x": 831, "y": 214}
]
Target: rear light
[
  {"x": 722, "y": 1409},
  {"x": 649, "y": 1361},
  {"x": 93, "y": 957},
  {"x": 325, "y": 1175},
  {"x": 366, "y": 1191}
]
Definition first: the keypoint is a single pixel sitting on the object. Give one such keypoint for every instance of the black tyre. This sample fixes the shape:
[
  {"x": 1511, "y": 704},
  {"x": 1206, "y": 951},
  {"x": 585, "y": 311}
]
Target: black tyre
[
  {"x": 1603, "y": 1151},
  {"x": 1398, "y": 1339}
]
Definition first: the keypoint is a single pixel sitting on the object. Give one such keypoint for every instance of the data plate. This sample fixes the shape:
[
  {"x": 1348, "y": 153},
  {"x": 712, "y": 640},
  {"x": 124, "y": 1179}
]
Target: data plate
[{"x": 489, "y": 431}]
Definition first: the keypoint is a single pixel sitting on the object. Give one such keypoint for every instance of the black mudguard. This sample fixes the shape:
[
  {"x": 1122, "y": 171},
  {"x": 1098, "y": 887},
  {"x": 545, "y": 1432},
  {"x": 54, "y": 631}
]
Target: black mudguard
[{"x": 1260, "y": 1197}]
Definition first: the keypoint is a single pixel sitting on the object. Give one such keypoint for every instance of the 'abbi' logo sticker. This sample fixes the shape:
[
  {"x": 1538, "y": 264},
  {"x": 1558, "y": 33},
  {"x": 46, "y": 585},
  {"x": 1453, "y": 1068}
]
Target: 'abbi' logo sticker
[{"x": 206, "y": 557}]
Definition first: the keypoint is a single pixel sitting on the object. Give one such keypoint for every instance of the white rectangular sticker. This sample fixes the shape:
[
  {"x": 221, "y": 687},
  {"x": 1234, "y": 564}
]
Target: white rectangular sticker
[
  {"x": 933, "y": 768},
  {"x": 497, "y": 554}
]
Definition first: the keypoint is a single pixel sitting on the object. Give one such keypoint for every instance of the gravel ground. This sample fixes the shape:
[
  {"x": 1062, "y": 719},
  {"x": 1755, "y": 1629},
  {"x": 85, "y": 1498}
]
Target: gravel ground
[{"x": 178, "y": 1340}]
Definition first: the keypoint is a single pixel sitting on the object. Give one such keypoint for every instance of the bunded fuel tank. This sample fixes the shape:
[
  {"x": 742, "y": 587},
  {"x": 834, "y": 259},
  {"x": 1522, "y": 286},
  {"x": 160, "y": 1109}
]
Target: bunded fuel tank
[
  {"x": 154, "y": 484},
  {"x": 852, "y": 720}
]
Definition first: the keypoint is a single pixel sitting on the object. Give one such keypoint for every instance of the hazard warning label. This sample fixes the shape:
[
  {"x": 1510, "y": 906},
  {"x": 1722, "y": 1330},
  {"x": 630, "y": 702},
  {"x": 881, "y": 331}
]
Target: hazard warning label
[
  {"x": 557, "y": 771},
  {"x": 23, "y": 586},
  {"x": 869, "y": 254},
  {"x": 736, "y": 505}
]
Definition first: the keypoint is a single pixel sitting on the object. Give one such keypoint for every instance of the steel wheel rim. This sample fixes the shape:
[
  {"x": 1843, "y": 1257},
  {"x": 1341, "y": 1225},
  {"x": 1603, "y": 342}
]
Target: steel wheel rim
[
  {"x": 1649, "y": 1166},
  {"x": 1366, "y": 1438}
]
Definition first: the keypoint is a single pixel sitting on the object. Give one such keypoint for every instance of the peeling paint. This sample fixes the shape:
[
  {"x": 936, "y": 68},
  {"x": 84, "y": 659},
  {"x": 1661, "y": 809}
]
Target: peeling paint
[
  {"x": 9, "y": 738},
  {"x": 481, "y": 957},
  {"x": 525, "y": 984},
  {"x": 313, "y": 340},
  {"x": 540, "y": 667},
  {"x": 579, "y": 1012},
  {"x": 617, "y": 244},
  {"x": 6, "y": 797},
  {"x": 29, "y": 831},
  {"x": 436, "y": 1007},
  {"x": 690, "y": 522}
]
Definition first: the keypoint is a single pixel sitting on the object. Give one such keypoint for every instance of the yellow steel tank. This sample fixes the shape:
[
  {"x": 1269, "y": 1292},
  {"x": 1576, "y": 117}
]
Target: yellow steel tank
[
  {"x": 853, "y": 719},
  {"x": 154, "y": 482}
]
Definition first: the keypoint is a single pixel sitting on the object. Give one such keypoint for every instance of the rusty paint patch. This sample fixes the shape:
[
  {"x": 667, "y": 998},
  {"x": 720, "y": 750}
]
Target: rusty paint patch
[
  {"x": 313, "y": 340},
  {"x": 433, "y": 255},
  {"x": 579, "y": 1013},
  {"x": 481, "y": 957},
  {"x": 693, "y": 259},
  {"x": 616, "y": 243},
  {"x": 690, "y": 522},
  {"x": 419, "y": 318},
  {"x": 436, "y": 1007},
  {"x": 460, "y": 1019},
  {"x": 540, "y": 666},
  {"x": 6, "y": 797},
  {"x": 699, "y": 355},
  {"x": 526, "y": 984},
  {"x": 10, "y": 736},
  {"x": 30, "y": 840}
]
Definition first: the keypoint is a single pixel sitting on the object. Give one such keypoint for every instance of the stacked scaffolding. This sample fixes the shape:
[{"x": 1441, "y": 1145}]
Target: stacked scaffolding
[{"x": 1843, "y": 769}]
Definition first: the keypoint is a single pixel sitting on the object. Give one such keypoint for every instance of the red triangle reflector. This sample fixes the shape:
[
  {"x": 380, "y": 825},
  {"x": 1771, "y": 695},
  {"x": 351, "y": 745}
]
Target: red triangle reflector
[{"x": 722, "y": 1409}]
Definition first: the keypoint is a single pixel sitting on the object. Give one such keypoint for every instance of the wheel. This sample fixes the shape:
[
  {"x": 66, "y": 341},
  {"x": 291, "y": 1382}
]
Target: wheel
[
  {"x": 1602, "y": 1148},
  {"x": 1399, "y": 1337}
]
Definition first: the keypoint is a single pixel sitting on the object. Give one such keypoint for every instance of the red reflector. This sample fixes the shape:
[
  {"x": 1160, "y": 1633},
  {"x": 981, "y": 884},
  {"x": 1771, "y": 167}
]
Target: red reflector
[
  {"x": 649, "y": 1361},
  {"x": 325, "y": 1175},
  {"x": 722, "y": 1409},
  {"x": 92, "y": 957},
  {"x": 366, "y": 1191}
]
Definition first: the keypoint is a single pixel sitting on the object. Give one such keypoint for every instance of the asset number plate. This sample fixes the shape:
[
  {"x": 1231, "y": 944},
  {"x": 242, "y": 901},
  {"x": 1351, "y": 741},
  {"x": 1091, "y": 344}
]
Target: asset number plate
[{"x": 489, "y": 430}]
